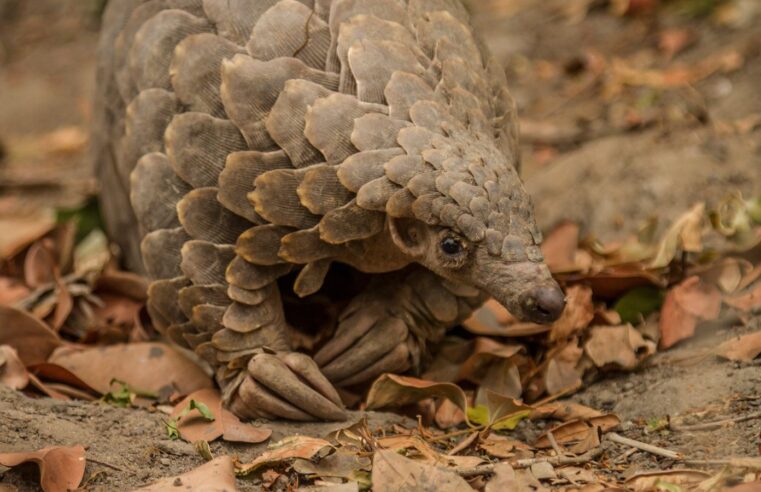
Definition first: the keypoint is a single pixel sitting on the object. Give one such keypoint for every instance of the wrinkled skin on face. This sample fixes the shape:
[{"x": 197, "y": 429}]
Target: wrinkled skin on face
[{"x": 525, "y": 288}]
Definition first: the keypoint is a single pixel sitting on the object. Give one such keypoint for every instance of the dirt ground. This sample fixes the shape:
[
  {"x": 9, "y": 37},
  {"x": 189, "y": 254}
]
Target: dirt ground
[{"x": 609, "y": 159}]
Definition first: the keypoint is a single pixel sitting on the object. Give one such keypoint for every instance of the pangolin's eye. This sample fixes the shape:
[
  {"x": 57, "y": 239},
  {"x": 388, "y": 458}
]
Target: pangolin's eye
[{"x": 451, "y": 246}]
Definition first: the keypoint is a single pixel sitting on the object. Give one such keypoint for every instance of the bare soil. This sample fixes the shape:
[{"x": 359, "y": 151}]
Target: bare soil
[{"x": 588, "y": 163}]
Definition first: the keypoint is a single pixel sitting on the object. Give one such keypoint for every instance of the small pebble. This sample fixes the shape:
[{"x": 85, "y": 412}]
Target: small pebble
[
  {"x": 165, "y": 462},
  {"x": 177, "y": 482}
]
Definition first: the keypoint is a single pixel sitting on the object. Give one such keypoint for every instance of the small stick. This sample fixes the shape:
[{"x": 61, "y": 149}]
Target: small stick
[
  {"x": 718, "y": 424},
  {"x": 527, "y": 462},
  {"x": 649, "y": 448},
  {"x": 554, "y": 443},
  {"x": 103, "y": 463},
  {"x": 625, "y": 455}
]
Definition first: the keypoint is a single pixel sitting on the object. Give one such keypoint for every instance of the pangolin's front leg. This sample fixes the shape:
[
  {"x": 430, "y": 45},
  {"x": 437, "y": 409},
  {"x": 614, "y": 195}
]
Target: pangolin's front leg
[
  {"x": 388, "y": 327},
  {"x": 270, "y": 380}
]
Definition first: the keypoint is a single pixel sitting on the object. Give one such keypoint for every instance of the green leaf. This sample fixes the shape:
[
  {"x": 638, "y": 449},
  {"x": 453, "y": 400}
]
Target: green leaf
[
  {"x": 172, "y": 424},
  {"x": 87, "y": 217},
  {"x": 667, "y": 486},
  {"x": 511, "y": 421},
  {"x": 638, "y": 303},
  {"x": 478, "y": 415},
  {"x": 171, "y": 429},
  {"x": 124, "y": 396}
]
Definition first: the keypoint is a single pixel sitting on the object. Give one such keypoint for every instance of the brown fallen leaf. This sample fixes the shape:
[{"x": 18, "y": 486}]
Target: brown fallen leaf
[
  {"x": 748, "y": 301},
  {"x": 620, "y": 345},
  {"x": 194, "y": 427},
  {"x": 577, "y": 430},
  {"x": 393, "y": 390},
  {"x": 560, "y": 247},
  {"x": 486, "y": 351},
  {"x": 561, "y": 371},
  {"x": 341, "y": 464},
  {"x": 32, "y": 338},
  {"x": 499, "y": 446},
  {"x": 395, "y": 473},
  {"x": 12, "y": 290},
  {"x": 565, "y": 410},
  {"x": 290, "y": 448},
  {"x": 448, "y": 414},
  {"x": 680, "y": 478},
  {"x": 40, "y": 268},
  {"x": 13, "y": 374},
  {"x": 218, "y": 475},
  {"x": 577, "y": 315},
  {"x": 61, "y": 468},
  {"x": 744, "y": 348},
  {"x": 685, "y": 305},
  {"x": 152, "y": 367},
  {"x": 20, "y": 232}
]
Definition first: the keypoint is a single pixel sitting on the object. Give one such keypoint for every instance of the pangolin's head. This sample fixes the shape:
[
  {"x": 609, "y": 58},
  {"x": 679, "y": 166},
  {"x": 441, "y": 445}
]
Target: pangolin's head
[{"x": 472, "y": 222}]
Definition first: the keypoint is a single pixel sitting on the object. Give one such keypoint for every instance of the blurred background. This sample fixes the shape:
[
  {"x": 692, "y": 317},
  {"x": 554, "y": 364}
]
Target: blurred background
[{"x": 629, "y": 109}]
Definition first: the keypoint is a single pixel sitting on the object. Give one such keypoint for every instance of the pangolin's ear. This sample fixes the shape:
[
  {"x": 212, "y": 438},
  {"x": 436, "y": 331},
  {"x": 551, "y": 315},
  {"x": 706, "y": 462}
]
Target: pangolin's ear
[{"x": 409, "y": 235}]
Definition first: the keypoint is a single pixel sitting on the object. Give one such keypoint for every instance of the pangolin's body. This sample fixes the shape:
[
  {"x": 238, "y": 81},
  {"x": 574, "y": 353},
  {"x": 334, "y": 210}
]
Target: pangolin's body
[{"x": 247, "y": 147}]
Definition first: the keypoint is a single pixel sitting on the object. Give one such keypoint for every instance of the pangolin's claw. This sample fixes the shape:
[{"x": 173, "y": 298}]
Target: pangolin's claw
[
  {"x": 288, "y": 385},
  {"x": 360, "y": 350}
]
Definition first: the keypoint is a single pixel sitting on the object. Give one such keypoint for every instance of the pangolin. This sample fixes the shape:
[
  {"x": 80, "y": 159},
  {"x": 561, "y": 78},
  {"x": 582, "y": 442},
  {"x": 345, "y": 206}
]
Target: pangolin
[{"x": 356, "y": 157}]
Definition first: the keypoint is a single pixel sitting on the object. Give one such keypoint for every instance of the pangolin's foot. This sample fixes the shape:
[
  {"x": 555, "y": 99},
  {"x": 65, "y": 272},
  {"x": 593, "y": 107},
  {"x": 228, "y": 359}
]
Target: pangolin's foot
[
  {"x": 287, "y": 385},
  {"x": 366, "y": 344}
]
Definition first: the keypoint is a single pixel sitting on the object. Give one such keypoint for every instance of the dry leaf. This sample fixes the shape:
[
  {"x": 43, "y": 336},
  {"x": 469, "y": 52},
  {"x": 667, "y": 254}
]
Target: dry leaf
[
  {"x": 194, "y": 427},
  {"x": 620, "y": 345},
  {"x": 31, "y": 338},
  {"x": 218, "y": 475},
  {"x": 560, "y": 246},
  {"x": 499, "y": 446},
  {"x": 744, "y": 348},
  {"x": 61, "y": 469},
  {"x": 20, "y": 232},
  {"x": 12, "y": 290},
  {"x": 393, "y": 390},
  {"x": 577, "y": 430},
  {"x": 684, "y": 234},
  {"x": 341, "y": 464},
  {"x": 395, "y": 473},
  {"x": 565, "y": 410},
  {"x": 647, "y": 481},
  {"x": 686, "y": 304},
  {"x": 152, "y": 367},
  {"x": 39, "y": 265},
  {"x": 13, "y": 374},
  {"x": 448, "y": 414},
  {"x": 486, "y": 351},
  {"x": 748, "y": 301},
  {"x": 303, "y": 447},
  {"x": 578, "y": 313}
]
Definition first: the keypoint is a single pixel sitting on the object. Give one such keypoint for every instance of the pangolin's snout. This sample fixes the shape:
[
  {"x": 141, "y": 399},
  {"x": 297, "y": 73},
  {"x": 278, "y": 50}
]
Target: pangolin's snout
[{"x": 543, "y": 304}]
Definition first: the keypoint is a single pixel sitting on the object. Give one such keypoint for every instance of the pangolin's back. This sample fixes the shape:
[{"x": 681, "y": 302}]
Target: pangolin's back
[{"x": 237, "y": 140}]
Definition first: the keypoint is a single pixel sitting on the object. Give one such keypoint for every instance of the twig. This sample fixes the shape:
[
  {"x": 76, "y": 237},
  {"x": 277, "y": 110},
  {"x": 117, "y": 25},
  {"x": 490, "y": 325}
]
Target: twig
[
  {"x": 625, "y": 455},
  {"x": 649, "y": 448},
  {"x": 718, "y": 424},
  {"x": 527, "y": 462},
  {"x": 109, "y": 465},
  {"x": 554, "y": 443}
]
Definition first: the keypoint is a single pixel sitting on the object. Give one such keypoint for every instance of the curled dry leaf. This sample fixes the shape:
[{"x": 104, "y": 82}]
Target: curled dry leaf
[
  {"x": 499, "y": 411},
  {"x": 578, "y": 313},
  {"x": 578, "y": 430},
  {"x": 61, "y": 468},
  {"x": 744, "y": 348},
  {"x": 684, "y": 234},
  {"x": 561, "y": 371},
  {"x": 290, "y": 448},
  {"x": 152, "y": 367},
  {"x": 218, "y": 475},
  {"x": 416, "y": 446},
  {"x": 565, "y": 410},
  {"x": 620, "y": 345},
  {"x": 486, "y": 351},
  {"x": 393, "y": 390},
  {"x": 685, "y": 305},
  {"x": 194, "y": 427},
  {"x": 499, "y": 446},
  {"x": 31, "y": 338},
  {"x": 13, "y": 374},
  {"x": 395, "y": 473}
]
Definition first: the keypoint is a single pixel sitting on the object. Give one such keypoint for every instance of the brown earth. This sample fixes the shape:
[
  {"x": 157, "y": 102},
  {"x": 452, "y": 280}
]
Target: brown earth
[{"x": 607, "y": 155}]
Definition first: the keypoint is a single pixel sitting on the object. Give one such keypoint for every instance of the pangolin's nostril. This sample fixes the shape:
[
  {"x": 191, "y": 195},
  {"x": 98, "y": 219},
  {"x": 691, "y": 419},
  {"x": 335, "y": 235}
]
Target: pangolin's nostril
[{"x": 544, "y": 304}]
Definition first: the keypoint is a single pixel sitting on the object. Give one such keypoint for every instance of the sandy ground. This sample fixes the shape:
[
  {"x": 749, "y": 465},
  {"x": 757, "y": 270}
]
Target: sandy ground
[{"x": 607, "y": 161}]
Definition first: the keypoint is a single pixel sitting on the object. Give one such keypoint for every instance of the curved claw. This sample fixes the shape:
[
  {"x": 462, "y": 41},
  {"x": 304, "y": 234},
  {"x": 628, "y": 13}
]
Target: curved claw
[
  {"x": 350, "y": 329},
  {"x": 278, "y": 389},
  {"x": 398, "y": 360},
  {"x": 368, "y": 353}
]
